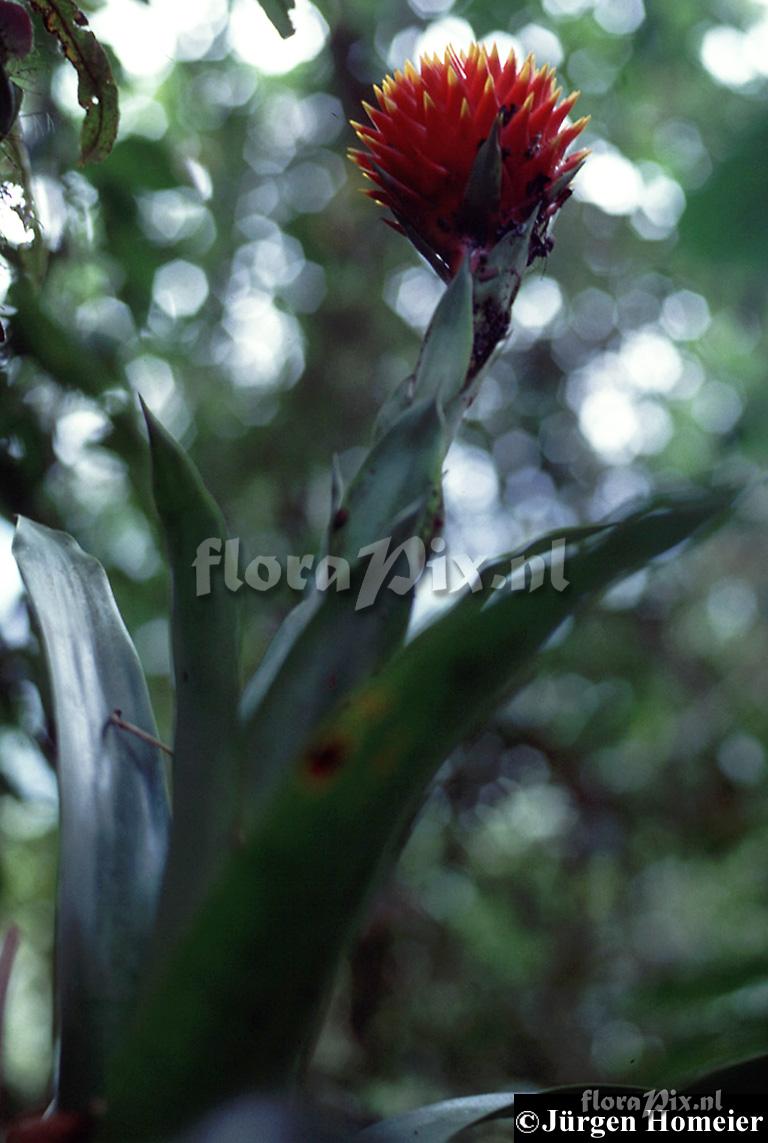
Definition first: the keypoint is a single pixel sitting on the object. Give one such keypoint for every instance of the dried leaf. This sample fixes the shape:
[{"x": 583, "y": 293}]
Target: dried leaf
[{"x": 96, "y": 88}]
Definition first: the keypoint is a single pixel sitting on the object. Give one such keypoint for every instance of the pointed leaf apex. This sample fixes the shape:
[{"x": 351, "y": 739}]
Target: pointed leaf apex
[
  {"x": 154, "y": 428},
  {"x": 483, "y": 194},
  {"x": 559, "y": 185},
  {"x": 526, "y": 71}
]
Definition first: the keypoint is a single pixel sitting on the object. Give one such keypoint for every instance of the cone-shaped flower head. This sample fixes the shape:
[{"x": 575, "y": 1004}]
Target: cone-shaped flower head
[{"x": 425, "y": 150}]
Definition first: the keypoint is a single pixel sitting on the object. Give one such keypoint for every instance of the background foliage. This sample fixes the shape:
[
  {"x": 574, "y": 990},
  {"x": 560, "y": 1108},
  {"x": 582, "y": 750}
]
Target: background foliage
[{"x": 583, "y": 897}]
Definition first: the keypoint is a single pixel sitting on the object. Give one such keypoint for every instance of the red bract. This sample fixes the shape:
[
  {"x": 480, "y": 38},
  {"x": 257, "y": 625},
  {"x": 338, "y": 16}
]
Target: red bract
[{"x": 426, "y": 133}]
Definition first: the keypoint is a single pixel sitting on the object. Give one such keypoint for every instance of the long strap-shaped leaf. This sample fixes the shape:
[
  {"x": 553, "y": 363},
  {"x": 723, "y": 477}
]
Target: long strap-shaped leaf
[
  {"x": 114, "y": 807},
  {"x": 246, "y": 986},
  {"x": 205, "y": 665}
]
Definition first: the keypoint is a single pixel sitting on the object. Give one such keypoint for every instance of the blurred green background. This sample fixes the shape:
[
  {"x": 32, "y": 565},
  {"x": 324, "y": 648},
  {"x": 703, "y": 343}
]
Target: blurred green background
[{"x": 584, "y": 896}]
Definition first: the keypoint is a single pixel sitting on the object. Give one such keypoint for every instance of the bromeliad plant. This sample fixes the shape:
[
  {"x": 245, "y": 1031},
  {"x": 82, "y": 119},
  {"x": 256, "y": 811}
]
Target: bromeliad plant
[{"x": 198, "y": 934}]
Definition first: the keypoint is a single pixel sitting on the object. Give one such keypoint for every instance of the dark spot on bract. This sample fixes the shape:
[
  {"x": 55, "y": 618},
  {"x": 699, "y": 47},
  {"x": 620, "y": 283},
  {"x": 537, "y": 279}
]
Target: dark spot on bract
[
  {"x": 534, "y": 147},
  {"x": 340, "y": 518},
  {"x": 326, "y": 759},
  {"x": 537, "y": 184},
  {"x": 542, "y": 246}
]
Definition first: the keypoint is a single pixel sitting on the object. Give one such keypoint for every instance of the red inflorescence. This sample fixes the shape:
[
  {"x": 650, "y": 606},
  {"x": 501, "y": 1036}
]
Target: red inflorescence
[{"x": 426, "y": 133}]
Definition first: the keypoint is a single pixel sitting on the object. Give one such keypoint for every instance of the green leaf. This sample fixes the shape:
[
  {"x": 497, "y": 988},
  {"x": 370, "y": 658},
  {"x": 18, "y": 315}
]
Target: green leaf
[
  {"x": 331, "y": 643},
  {"x": 265, "y": 946},
  {"x": 442, "y": 368},
  {"x": 445, "y": 682},
  {"x": 96, "y": 88},
  {"x": 481, "y": 200},
  {"x": 278, "y": 10},
  {"x": 398, "y": 401},
  {"x": 286, "y": 635},
  {"x": 439, "y": 1122},
  {"x": 443, "y": 365},
  {"x": 114, "y": 808},
  {"x": 402, "y": 467},
  {"x": 325, "y": 648},
  {"x": 205, "y": 666}
]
